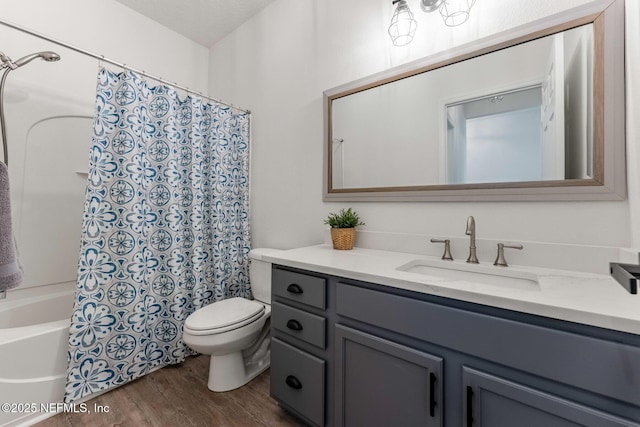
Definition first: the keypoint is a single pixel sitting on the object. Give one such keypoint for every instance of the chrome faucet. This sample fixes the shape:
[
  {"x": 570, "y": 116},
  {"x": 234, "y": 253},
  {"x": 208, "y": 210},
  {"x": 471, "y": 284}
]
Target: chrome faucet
[{"x": 471, "y": 231}]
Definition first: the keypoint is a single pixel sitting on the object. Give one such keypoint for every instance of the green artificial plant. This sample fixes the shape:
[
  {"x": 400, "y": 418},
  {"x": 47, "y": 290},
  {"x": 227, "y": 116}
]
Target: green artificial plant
[{"x": 343, "y": 219}]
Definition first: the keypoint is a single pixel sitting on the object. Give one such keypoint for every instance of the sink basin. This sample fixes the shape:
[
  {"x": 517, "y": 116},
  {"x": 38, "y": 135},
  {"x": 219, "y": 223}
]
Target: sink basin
[{"x": 454, "y": 271}]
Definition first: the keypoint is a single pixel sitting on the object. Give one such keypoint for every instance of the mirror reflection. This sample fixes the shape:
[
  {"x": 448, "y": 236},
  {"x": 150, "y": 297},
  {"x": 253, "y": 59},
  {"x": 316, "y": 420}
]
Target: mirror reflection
[{"x": 520, "y": 114}]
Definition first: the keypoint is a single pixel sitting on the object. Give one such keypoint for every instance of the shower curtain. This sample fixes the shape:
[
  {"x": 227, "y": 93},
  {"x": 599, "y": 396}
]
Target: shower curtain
[{"x": 165, "y": 228}]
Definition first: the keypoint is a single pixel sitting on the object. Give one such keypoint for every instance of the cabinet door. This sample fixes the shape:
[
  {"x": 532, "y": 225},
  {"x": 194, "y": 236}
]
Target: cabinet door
[
  {"x": 492, "y": 401},
  {"x": 382, "y": 383}
]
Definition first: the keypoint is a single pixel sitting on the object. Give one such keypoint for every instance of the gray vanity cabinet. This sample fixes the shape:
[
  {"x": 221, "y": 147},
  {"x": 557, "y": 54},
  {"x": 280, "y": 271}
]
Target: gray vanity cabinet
[
  {"x": 382, "y": 383},
  {"x": 352, "y": 353},
  {"x": 300, "y": 352},
  {"x": 497, "y": 369}
]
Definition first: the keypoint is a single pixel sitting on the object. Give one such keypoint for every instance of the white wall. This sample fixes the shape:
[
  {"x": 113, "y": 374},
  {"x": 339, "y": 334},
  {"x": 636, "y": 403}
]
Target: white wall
[
  {"x": 382, "y": 127},
  {"x": 108, "y": 28},
  {"x": 278, "y": 65},
  {"x": 49, "y": 111}
]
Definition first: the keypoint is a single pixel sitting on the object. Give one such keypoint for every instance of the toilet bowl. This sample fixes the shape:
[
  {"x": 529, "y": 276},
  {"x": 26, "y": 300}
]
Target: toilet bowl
[{"x": 235, "y": 332}]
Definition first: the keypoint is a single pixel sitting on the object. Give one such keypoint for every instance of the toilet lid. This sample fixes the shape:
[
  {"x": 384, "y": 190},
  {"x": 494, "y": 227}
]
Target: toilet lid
[{"x": 223, "y": 313}]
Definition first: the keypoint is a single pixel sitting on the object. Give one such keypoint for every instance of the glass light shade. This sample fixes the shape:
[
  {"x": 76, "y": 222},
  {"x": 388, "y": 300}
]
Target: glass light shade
[
  {"x": 403, "y": 25},
  {"x": 430, "y": 5},
  {"x": 456, "y": 12}
]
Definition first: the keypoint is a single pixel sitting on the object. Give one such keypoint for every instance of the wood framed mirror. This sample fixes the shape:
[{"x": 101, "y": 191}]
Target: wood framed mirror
[{"x": 534, "y": 113}]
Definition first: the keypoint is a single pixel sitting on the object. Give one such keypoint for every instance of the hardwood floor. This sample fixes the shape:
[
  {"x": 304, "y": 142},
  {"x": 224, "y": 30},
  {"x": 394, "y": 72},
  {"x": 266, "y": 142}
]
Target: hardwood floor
[{"x": 178, "y": 396}]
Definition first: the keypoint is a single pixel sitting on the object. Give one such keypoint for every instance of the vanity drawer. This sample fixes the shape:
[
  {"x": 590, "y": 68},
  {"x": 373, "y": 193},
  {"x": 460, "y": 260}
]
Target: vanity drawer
[
  {"x": 300, "y": 324},
  {"x": 309, "y": 290},
  {"x": 297, "y": 381}
]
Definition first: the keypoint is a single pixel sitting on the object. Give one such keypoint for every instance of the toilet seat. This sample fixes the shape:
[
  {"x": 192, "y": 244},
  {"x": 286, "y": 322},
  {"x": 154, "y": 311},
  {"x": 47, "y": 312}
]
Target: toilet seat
[{"x": 223, "y": 316}]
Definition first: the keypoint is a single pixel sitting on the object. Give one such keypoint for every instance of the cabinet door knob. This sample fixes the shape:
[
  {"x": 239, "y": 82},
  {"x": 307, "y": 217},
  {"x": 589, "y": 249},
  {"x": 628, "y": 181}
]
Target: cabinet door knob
[
  {"x": 293, "y": 382},
  {"x": 294, "y": 325},
  {"x": 294, "y": 289}
]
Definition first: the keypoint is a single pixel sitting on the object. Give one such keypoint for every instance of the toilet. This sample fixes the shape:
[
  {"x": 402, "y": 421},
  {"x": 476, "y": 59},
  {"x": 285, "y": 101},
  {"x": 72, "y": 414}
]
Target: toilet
[{"x": 235, "y": 331}]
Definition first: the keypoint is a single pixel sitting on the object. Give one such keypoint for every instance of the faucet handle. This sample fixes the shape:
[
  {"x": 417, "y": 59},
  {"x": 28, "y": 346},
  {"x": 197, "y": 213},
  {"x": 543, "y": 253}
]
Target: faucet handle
[
  {"x": 447, "y": 248},
  {"x": 500, "y": 259}
]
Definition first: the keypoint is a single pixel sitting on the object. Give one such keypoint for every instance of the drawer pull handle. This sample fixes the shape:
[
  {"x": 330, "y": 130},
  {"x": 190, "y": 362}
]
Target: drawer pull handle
[
  {"x": 469, "y": 406},
  {"x": 293, "y": 382},
  {"x": 294, "y": 325},
  {"x": 294, "y": 289},
  {"x": 432, "y": 394}
]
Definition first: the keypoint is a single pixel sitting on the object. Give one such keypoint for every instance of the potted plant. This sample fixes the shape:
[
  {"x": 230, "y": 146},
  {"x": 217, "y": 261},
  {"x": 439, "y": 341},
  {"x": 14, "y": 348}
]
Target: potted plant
[{"x": 343, "y": 228}]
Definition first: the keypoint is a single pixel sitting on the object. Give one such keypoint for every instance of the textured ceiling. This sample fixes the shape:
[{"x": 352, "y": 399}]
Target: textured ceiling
[{"x": 203, "y": 21}]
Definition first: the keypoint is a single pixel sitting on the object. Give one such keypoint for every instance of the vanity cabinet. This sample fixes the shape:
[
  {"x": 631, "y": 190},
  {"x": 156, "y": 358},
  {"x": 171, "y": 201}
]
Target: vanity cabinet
[
  {"x": 397, "y": 357},
  {"x": 299, "y": 350},
  {"x": 503, "y": 367}
]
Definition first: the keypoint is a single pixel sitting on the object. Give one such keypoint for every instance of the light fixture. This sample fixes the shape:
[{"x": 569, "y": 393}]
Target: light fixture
[
  {"x": 430, "y": 5},
  {"x": 456, "y": 12},
  {"x": 403, "y": 24}
]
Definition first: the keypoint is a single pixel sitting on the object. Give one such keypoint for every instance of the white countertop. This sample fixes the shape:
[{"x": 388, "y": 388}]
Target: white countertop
[{"x": 591, "y": 299}]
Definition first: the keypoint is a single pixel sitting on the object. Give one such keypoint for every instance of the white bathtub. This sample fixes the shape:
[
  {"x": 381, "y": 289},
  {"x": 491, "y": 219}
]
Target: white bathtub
[{"x": 34, "y": 333}]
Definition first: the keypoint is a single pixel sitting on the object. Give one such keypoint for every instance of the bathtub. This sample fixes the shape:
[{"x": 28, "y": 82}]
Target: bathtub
[{"x": 34, "y": 331}]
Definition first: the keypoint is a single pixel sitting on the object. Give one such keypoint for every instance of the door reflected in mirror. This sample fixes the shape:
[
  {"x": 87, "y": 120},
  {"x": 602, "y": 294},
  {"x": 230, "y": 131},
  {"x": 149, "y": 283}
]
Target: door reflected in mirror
[{"x": 499, "y": 139}]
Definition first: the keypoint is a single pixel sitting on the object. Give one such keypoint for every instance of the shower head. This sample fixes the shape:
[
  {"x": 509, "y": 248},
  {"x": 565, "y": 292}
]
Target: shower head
[
  {"x": 5, "y": 62},
  {"x": 46, "y": 55}
]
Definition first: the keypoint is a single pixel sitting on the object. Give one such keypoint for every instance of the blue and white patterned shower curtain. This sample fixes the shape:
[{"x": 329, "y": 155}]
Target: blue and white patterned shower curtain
[{"x": 165, "y": 228}]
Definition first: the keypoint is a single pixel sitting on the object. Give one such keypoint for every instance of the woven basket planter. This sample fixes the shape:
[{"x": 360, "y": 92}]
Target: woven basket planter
[{"x": 343, "y": 238}]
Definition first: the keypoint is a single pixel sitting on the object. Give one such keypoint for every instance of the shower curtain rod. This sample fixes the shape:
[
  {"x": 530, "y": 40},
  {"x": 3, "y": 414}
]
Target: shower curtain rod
[{"x": 116, "y": 63}]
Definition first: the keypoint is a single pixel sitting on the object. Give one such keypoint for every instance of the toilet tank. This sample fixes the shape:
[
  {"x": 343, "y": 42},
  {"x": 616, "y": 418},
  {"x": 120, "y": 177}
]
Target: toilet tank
[{"x": 260, "y": 274}]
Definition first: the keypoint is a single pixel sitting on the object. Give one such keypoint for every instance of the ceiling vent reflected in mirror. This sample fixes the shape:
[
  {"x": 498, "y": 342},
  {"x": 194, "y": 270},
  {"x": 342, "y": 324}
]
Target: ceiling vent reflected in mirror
[{"x": 403, "y": 24}]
